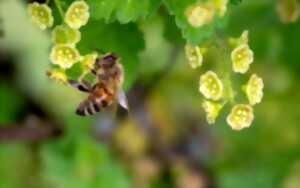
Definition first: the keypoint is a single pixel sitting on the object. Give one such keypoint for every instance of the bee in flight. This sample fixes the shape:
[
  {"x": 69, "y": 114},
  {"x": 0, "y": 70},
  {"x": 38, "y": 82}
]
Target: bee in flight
[{"x": 107, "y": 89}]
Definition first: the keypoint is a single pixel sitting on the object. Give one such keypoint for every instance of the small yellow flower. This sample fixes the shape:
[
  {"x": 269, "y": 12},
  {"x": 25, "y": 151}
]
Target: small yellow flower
[
  {"x": 199, "y": 14},
  {"x": 194, "y": 55},
  {"x": 243, "y": 39},
  {"x": 63, "y": 34},
  {"x": 220, "y": 6},
  {"x": 40, "y": 14},
  {"x": 211, "y": 86},
  {"x": 212, "y": 110},
  {"x": 254, "y": 89},
  {"x": 77, "y": 14},
  {"x": 241, "y": 57},
  {"x": 64, "y": 56},
  {"x": 58, "y": 75},
  {"x": 241, "y": 116},
  {"x": 88, "y": 61}
]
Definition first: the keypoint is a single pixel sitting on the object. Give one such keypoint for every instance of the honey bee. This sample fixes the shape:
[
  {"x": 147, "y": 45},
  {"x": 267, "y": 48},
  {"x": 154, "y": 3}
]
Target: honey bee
[{"x": 107, "y": 89}]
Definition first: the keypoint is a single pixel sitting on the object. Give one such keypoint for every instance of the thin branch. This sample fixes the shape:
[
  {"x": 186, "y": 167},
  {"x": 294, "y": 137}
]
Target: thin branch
[
  {"x": 19, "y": 133},
  {"x": 60, "y": 10}
]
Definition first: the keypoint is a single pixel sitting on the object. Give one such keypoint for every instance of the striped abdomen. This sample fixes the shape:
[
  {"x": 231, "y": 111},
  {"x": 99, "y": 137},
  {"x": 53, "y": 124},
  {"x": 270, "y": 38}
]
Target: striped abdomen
[{"x": 100, "y": 98}]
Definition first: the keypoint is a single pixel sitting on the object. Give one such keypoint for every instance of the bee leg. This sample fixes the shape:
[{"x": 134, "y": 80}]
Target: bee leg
[{"x": 83, "y": 85}]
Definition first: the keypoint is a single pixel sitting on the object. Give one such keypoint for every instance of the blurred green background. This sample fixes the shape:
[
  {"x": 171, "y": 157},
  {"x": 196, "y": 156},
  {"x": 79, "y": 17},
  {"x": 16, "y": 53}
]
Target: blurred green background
[{"x": 164, "y": 140}]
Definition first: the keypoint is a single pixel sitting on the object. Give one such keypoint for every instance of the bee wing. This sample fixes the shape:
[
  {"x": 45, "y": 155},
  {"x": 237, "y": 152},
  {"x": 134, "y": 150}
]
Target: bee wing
[{"x": 122, "y": 99}]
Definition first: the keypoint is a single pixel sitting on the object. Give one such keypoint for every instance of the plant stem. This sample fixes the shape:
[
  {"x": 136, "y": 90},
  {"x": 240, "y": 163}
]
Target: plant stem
[{"x": 58, "y": 6}]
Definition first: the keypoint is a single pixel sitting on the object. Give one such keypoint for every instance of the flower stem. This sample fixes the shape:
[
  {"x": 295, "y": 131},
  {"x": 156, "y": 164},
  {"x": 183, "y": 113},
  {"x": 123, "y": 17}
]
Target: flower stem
[{"x": 58, "y": 6}]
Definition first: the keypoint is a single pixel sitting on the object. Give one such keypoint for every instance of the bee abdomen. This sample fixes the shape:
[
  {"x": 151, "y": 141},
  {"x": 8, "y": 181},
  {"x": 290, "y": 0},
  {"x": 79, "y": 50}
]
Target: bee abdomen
[{"x": 88, "y": 108}]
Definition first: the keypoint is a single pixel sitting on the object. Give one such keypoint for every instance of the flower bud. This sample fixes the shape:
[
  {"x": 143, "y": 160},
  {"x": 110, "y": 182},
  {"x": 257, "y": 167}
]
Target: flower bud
[
  {"x": 63, "y": 34},
  {"x": 212, "y": 110},
  {"x": 194, "y": 55},
  {"x": 57, "y": 75}
]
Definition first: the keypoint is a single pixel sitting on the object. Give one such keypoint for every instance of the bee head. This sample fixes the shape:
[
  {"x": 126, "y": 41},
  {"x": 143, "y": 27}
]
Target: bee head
[{"x": 106, "y": 61}]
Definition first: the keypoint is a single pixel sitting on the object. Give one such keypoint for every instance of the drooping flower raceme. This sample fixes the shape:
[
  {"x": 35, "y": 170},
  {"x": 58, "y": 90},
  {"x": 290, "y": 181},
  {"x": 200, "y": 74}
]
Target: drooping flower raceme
[
  {"x": 241, "y": 116},
  {"x": 63, "y": 34},
  {"x": 58, "y": 75},
  {"x": 212, "y": 110},
  {"x": 41, "y": 15},
  {"x": 77, "y": 14},
  {"x": 254, "y": 89},
  {"x": 211, "y": 86},
  {"x": 199, "y": 14},
  {"x": 194, "y": 55},
  {"x": 64, "y": 55},
  {"x": 241, "y": 57}
]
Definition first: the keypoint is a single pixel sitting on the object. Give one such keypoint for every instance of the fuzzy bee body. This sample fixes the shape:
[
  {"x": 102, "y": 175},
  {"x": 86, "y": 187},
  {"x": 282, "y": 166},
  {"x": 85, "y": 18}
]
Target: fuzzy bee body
[
  {"x": 98, "y": 99},
  {"x": 107, "y": 90}
]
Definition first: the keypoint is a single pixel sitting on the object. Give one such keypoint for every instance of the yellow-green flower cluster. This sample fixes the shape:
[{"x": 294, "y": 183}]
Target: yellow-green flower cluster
[
  {"x": 40, "y": 14},
  {"x": 200, "y": 14},
  {"x": 211, "y": 88},
  {"x": 241, "y": 115},
  {"x": 65, "y": 36},
  {"x": 194, "y": 55},
  {"x": 218, "y": 92}
]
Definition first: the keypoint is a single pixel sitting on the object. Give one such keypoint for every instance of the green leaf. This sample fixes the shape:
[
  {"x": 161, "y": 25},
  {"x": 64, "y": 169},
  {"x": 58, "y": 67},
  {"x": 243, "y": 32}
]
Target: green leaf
[
  {"x": 236, "y": 2},
  {"x": 191, "y": 34},
  {"x": 12, "y": 103},
  {"x": 125, "y": 40},
  {"x": 123, "y": 11}
]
